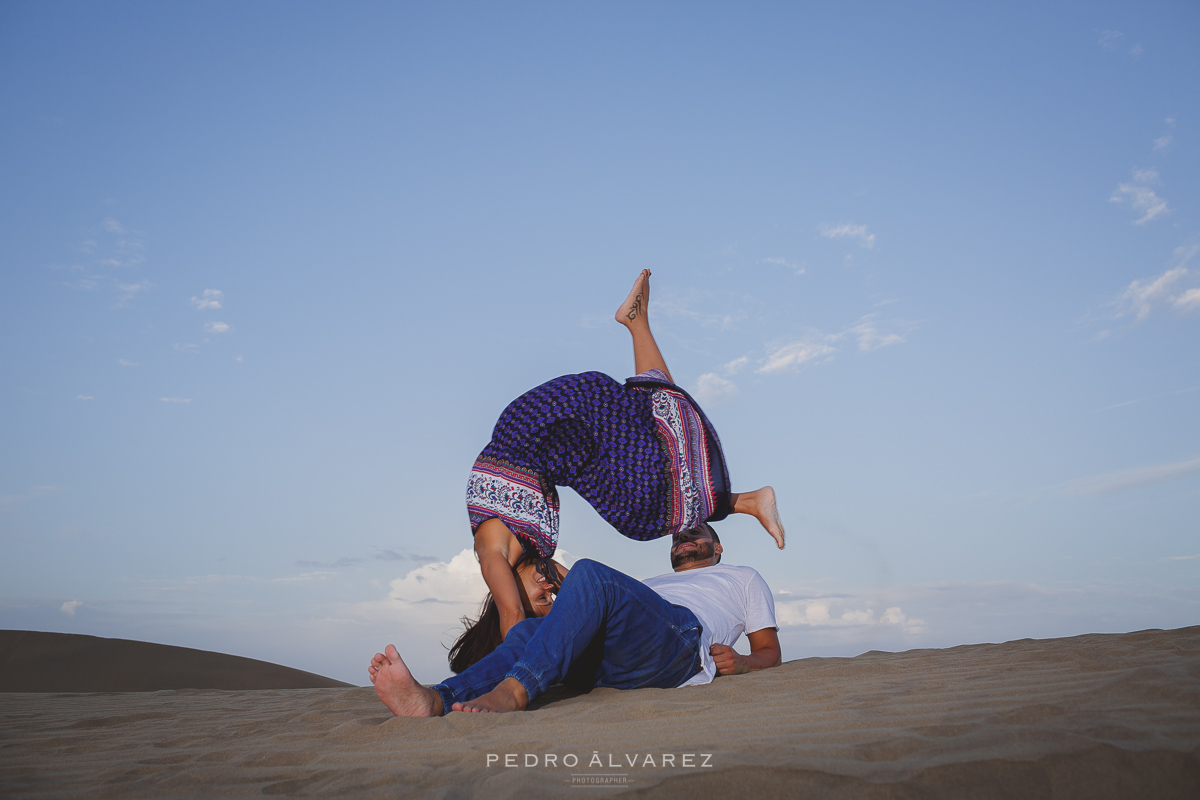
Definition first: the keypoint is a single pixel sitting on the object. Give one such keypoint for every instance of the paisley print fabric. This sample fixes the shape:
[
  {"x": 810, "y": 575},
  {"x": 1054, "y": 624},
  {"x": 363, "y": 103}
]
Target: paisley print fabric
[
  {"x": 517, "y": 497},
  {"x": 682, "y": 436},
  {"x": 604, "y": 440}
]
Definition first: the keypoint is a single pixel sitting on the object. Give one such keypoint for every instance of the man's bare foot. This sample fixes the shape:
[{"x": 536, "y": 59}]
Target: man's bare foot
[
  {"x": 633, "y": 310},
  {"x": 509, "y": 695},
  {"x": 398, "y": 690},
  {"x": 761, "y": 505}
]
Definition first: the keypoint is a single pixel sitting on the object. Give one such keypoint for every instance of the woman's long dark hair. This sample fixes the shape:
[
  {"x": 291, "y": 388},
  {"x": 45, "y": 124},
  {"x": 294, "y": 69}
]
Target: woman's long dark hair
[{"x": 482, "y": 634}]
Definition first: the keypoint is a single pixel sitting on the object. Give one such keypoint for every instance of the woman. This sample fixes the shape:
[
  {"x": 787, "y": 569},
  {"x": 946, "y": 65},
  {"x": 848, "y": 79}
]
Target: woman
[
  {"x": 642, "y": 454},
  {"x": 538, "y": 581}
]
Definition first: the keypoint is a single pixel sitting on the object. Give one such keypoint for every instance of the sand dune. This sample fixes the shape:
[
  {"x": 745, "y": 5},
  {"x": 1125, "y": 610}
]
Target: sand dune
[
  {"x": 1097, "y": 716},
  {"x": 31, "y": 661}
]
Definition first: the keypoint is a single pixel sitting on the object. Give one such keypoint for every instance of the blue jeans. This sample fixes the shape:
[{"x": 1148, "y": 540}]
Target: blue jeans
[{"x": 605, "y": 629}]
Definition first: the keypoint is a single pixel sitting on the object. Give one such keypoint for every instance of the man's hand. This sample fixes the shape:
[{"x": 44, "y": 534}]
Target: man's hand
[
  {"x": 728, "y": 660},
  {"x": 764, "y": 654}
]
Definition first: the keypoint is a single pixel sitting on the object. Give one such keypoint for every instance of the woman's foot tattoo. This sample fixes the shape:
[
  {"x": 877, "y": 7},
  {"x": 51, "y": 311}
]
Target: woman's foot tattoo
[{"x": 633, "y": 310}]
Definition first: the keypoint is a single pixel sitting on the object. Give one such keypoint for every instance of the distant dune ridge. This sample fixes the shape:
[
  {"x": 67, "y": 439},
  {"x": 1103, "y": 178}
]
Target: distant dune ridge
[
  {"x": 32, "y": 661},
  {"x": 1097, "y": 716}
]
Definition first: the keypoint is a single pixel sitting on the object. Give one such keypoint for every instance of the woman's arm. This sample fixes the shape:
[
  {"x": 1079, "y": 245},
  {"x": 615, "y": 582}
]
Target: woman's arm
[{"x": 497, "y": 550}]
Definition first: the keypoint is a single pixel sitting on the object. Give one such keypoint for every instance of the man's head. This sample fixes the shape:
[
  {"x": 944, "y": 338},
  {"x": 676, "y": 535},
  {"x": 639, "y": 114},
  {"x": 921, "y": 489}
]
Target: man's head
[{"x": 695, "y": 547}]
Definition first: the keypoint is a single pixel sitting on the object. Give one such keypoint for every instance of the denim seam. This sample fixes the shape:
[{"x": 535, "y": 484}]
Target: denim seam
[
  {"x": 527, "y": 679},
  {"x": 447, "y": 699}
]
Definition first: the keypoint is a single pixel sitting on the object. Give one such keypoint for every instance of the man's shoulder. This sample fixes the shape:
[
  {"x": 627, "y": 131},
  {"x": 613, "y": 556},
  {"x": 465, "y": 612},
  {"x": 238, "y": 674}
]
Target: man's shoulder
[
  {"x": 733, "y": 569},
  {"x": 730, "y": 571}
]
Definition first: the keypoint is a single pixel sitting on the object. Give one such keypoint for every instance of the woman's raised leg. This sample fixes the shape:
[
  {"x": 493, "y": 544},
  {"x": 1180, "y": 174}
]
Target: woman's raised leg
[
  {"x": 759, "y": 504},
  {"x": 632, "y": 314}
]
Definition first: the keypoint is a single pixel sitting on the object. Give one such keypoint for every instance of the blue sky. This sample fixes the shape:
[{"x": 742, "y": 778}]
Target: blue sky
[{"x": 272, "y": 270}]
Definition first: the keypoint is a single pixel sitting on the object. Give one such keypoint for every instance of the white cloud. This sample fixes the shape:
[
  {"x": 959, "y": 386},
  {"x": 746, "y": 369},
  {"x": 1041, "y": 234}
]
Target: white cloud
[
  {"x": 869, "y": 337},
  {"x": 1136, "y": 50},
  {"x": 112, "y": 226},
  {"x": 125, "y": 252},
  {"x": 1140, "y": 196},
  {"x": 564, "y": 558},
  {"x": 128, "y": 291},
  {"x": 735, "y": 366},
  {"x": 1182, "y": 558},
  {"x": 1110, "y": 39},
  {"x": 821, "y": 612},
  {"x": 238, "y": 359},
  {"x": 84, "y": 397},
  {"x": 209, "y": 300},
  {"x": 711, "y": 389},
  {"x": 1166, "y": 139},
  {"x": 458, "y": 580},
  {"x": 1188, "y": 301},
  {"x": 185, "y": 347},
  {"x": 1131, "y": 478},
  {"x": 175, "y": 399},
  {"x": 1142, "y": 296},
  {"x": 439, "y": 593},
  {"x": 216, "y": 327},
  {"x": 125, "y": 363},
  {"x": 69, "y": 607},
  {"x": 851, "y": 230},
  {"x": 816, "y": 346},
  {"x": 797, "y": 353},
  {"x": 783, "y": 262}
]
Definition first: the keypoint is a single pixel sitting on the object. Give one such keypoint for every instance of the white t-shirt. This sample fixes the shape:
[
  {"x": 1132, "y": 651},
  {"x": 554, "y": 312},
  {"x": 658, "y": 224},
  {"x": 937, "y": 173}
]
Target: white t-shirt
[{"x": 728, "y": 600}]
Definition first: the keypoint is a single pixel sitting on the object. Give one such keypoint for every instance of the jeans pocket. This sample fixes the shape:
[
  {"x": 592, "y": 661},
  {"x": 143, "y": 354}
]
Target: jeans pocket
[{"x": 686, "y": 664}]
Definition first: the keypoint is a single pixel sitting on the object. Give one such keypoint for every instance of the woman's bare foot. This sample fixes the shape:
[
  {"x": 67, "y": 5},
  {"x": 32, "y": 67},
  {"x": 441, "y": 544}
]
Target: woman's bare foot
[
  {"x": 761, "y": 505},
  {"x": 633, "y": 315},
  {"x": 633, "y": 310},
  {"x": 398, "y": 690},
  {"x": 509, "y": 695}
]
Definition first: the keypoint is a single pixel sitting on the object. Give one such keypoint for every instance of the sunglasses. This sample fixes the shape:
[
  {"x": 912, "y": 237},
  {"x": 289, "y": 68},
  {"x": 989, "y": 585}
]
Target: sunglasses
[{"x": 545, "y": 568}]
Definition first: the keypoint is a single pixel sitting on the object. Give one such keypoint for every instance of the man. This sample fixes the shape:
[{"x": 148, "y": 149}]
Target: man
[{"x": 673, "y": 630}]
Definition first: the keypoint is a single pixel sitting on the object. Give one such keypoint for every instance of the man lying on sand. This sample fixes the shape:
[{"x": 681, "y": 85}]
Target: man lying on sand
[{"x": 673, "y": 630}]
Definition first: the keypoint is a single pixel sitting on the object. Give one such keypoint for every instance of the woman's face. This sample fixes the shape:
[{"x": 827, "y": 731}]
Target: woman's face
[{"x": 537, "y": 593}]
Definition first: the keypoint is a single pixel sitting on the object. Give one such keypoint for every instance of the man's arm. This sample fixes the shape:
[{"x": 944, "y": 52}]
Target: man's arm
[{"x": 764, "y": 654}]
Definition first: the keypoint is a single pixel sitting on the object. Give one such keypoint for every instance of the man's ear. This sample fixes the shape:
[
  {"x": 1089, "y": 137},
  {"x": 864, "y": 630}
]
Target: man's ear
[{"x": 718, "y": 549}]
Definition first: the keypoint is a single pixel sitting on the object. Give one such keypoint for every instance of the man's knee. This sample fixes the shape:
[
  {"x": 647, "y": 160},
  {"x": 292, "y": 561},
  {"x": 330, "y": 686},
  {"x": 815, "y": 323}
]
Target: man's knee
[
  {"x": 585, "y": 569},
  {"x": 523, "y": 631}
]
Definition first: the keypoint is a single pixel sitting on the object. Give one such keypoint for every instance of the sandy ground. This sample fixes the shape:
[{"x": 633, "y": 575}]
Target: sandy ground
[{"x": 1097, "y": 716}]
